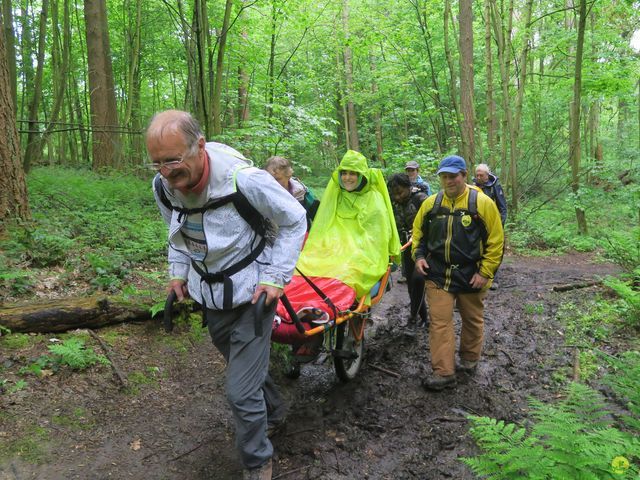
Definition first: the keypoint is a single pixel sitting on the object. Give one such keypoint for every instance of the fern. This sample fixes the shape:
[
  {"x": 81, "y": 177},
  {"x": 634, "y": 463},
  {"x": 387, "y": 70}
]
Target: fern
[
  {"x": 73, "y": 353},
  {"x": 573, "y": 439},
  {"x": 624, "y": 380}
]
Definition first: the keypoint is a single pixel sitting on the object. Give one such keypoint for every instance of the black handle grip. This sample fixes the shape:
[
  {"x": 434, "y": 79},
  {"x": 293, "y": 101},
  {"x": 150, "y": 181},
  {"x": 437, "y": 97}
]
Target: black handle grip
[{"x": 168, "y": 311}]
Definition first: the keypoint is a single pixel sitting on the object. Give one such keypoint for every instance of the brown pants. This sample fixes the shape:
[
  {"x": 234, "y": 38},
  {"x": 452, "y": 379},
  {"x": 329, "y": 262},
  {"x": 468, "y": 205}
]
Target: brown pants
[{"x": 442, "y": 337}]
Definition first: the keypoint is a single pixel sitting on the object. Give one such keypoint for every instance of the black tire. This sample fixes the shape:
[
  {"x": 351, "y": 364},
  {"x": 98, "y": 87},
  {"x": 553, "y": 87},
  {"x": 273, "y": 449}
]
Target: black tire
[{"x": 350, "y": 353}]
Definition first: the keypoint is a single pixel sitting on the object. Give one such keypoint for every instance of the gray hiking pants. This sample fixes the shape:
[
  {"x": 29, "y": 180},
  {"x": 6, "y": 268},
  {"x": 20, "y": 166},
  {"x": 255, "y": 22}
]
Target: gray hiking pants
[{"x": 251, "y": 392}]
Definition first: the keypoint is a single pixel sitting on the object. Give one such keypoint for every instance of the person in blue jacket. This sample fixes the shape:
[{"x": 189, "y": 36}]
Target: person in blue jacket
[
  {"x": 491, "y": 187},
  {"x": 412, "y": 169}
]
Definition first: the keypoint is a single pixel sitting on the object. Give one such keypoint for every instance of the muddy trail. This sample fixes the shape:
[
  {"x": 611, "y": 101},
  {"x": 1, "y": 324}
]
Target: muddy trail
[{"x": 173, "y": 421}]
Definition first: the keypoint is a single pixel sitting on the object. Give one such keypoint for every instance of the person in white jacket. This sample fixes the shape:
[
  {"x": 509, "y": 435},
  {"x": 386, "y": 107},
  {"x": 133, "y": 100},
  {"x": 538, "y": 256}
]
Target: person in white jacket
[{"x": 225, "y": 253}]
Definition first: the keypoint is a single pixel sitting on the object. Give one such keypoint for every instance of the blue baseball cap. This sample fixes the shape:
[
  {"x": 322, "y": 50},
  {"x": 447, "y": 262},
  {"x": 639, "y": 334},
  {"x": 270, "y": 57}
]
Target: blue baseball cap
[{"x": 452, "y": 164}]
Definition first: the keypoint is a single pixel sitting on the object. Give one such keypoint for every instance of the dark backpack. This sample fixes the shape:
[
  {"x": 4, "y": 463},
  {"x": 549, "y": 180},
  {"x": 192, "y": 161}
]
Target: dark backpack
[
  {"x": 249, "y": 214},
  {"x": 472, "y": 210}
]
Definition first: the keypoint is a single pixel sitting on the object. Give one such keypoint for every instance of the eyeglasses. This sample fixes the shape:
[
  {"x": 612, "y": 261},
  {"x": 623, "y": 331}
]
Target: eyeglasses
[{"x": 167, "y": 165}]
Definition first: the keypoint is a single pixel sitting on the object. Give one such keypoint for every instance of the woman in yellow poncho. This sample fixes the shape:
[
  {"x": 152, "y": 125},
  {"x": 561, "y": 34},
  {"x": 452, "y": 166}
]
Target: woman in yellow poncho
[{"x": 354, "y": 232}]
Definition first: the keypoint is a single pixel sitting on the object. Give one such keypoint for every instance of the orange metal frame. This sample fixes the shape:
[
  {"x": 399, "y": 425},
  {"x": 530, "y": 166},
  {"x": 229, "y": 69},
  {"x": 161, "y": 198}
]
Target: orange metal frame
[{"x": 360, "y": 309}]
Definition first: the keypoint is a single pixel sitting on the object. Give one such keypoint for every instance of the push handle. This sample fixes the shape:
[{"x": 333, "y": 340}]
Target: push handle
[{"x": 168, "y": 311}]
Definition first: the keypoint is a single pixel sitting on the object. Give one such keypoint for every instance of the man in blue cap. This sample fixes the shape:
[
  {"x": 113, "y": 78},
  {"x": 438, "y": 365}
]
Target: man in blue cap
[{"x": 457, "y": 246}]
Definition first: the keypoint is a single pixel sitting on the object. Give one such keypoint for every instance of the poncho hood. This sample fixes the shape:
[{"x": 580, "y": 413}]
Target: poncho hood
[{"x": 354, "y": 233}]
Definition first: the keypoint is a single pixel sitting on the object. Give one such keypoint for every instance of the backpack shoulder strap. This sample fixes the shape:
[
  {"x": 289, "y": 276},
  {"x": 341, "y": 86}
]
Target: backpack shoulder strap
[
  {"x": 437, "y": 204},
  {"x": 473, "y": 201},
  {"x": 159, "y": 188}
]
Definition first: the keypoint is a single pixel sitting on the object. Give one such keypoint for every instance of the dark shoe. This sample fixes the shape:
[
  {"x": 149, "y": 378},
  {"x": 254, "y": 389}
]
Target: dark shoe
[
  {"x": 467, "y": 366},
  {"x": 494, "y": 285},
  {"x": 411, "y": 327},
  {"x": 261, "y": 473},
  {"x": 437, "y": 382}
]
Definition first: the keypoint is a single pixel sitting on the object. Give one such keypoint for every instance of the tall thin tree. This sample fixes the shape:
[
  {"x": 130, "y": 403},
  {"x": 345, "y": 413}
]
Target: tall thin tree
[
  {"x": 466, "y": 81},
  {"x": 14, "y": 203},
  {"x": 574, "y": 145},
  {"x": 104, "y": 115}
]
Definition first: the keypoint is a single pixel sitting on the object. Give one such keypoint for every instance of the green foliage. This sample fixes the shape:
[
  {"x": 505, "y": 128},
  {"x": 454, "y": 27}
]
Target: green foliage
[
  {"x": 592, "y": 319},
  {"x": 109, "y": 269},
  {"x": 18, "y": 283},
  {"x": 73, "y": 353},
  {"x": 575, "y": 438},
  {"x": 551, "y": 228},
  {"x": 623, "y": 247},
  {"x": 15, "y": 341},
  {"x": 624, "y": 379},
  {"x": 629, "y": 298},
  {"x": 37, "y": 366},
  {"x": 100, "y": 227}
]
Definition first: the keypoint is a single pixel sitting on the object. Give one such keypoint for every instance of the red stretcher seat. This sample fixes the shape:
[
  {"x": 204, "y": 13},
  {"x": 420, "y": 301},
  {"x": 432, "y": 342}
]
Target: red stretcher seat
[{"x": 302, "y": 296}]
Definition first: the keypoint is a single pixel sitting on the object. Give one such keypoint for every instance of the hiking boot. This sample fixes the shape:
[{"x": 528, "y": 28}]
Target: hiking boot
[
  {"x": 260, "y": 473},
  {"x": 494, "y": 285},
  {"x": 467, "y": 366},
  {"x": 411, "y": 327},
  {"x": 437, "y": 382}
]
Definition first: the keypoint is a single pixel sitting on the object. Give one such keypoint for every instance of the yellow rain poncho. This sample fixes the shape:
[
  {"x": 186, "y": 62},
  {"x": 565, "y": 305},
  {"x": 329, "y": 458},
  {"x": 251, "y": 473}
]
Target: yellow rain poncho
[{"x": 354, "y": 233}]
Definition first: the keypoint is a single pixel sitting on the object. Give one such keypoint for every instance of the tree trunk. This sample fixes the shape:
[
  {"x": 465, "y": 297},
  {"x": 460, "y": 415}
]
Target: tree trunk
[
  {"x": 33, "y": 137},
  {"x": 104, "y": 114},
  {"x": 26, "y": 49},
  {"x": 14, "y": 202},
  {"x": 440, "y": 127},
  {"x": 217, "y": 92},
  {"x": 513, "y": 170},
  {"x": 453, "y": 89},
  {"x": 466, "y": 82},
  {"x": 354, "y": 139},
  {"x": 62, "y": 70},
  {"x": 10, "y": 45},
  {"x": 491, "y": 104},
  {"x": 199, "y": 21},
  {"x": 377, "y": 120},
  {"x": 69, "y": 314},
  {"x": 574, "y": 146},
  {"x": 507, "y": 142}
]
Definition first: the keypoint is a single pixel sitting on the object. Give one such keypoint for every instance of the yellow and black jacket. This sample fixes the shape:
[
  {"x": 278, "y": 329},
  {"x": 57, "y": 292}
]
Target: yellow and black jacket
[{"x": 459, "y": 240}]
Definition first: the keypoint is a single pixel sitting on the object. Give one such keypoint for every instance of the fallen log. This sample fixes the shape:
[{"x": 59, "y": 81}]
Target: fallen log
[
  {"x": 574, "y": 286},
  {"x": 70, "y": 313}
]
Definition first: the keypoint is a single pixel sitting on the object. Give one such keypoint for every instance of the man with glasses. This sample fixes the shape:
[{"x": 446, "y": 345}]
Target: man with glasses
[{"x": 219, "y": 209}]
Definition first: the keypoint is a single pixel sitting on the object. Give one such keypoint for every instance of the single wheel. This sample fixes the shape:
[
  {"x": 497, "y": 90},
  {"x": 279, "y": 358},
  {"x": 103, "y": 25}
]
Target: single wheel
[{"x": 349, "y": 352}]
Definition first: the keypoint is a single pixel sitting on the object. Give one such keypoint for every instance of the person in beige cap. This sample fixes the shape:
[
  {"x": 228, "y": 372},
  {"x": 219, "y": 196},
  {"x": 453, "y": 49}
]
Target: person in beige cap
[{"x": 412, "y": 169}]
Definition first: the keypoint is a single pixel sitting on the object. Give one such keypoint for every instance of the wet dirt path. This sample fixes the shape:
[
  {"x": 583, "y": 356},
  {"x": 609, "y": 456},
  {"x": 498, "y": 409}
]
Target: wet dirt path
[{"x": 382, "y": 425}]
